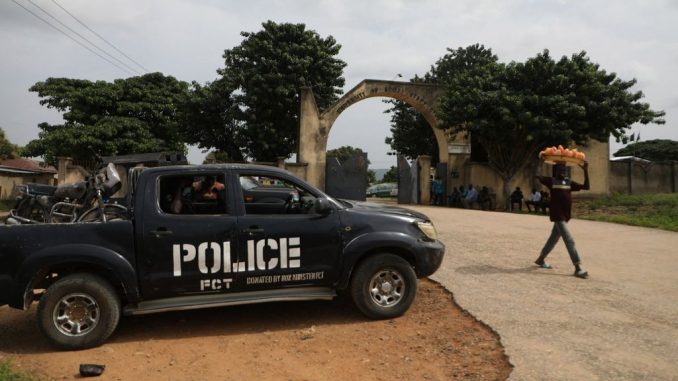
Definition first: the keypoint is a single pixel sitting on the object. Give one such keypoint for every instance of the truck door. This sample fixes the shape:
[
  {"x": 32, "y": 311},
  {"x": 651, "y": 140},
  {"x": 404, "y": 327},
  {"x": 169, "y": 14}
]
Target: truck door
[
  {"x": 188, "y": 237},
  {"x": 283, "y": 242}
]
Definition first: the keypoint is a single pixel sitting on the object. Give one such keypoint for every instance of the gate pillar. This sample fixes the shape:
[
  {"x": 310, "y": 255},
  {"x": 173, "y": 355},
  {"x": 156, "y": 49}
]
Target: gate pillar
[
  {"x": 424, "y": 164},
  {"x": 312, "y": 140}
]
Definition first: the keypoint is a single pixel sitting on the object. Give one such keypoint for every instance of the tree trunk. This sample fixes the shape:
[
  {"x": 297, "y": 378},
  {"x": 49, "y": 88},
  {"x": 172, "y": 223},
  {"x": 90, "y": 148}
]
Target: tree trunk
[
  {"x": 534, "y": 170},
  {"x": 506, "y": 188}
]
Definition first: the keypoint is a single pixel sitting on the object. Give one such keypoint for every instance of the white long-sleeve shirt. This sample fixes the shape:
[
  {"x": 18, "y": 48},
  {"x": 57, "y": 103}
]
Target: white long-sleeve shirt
[{"x": 535, "y": 197}]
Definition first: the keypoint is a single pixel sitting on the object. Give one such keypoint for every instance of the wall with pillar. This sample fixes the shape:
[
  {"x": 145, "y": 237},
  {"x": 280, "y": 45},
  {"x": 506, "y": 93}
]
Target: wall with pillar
[{"x": 455, "y": 151}]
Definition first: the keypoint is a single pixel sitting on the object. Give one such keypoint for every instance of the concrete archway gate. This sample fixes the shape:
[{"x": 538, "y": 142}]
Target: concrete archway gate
[{"x": 314, "y": 127}]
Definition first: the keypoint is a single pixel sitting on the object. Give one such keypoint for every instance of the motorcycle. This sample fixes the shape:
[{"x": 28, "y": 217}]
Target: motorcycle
[{"x": 84, "y": 201}]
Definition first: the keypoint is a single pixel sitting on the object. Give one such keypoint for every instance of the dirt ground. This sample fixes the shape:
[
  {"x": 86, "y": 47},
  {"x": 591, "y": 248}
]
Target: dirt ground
[
  {"x": 435, "y": 340},
  {"x": 619, "y": 324}
]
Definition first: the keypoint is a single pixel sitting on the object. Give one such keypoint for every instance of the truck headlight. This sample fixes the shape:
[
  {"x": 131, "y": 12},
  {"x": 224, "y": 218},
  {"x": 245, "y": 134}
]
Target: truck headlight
[{"x": 428, "y": 229}]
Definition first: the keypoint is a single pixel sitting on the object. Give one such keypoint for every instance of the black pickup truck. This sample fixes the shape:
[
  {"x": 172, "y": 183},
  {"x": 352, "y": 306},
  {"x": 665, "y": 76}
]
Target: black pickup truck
[{"x": 197, "y": 238}]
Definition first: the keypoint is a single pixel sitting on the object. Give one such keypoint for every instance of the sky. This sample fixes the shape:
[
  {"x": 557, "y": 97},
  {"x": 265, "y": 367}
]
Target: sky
[{"x": 380, "y": 39}]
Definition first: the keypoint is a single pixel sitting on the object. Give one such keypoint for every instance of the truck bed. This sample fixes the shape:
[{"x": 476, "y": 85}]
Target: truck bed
[{"x": 25, "y": 249}]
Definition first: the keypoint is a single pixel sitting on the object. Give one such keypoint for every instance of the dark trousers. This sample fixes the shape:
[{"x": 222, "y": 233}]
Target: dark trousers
[
  {"x": 517, "y": 202},
  {"x": 560, "y": 230}
]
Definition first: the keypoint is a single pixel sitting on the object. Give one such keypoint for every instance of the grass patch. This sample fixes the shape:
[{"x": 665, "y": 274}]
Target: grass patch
[
  {"x": 8, "y": 374},
  {"x": 652, "y": 210},
  {"x": 6, "y": 205}
]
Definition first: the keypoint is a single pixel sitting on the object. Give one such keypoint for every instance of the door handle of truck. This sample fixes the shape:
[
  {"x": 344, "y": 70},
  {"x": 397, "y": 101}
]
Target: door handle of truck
[
  {"x": 160, "y": 232},
  {"x": 252, "y": 230}
]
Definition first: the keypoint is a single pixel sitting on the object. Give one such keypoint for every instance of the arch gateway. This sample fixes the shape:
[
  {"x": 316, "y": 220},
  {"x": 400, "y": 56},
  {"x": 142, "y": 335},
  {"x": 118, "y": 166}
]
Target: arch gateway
[{"x": 314, "y": 130}]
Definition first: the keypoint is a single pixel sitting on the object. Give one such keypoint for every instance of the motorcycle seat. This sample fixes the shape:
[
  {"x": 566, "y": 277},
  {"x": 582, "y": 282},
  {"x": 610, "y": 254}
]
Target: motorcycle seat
[
  {"x": 41, "y": 189},
  {"x": 72, "y": 191}
]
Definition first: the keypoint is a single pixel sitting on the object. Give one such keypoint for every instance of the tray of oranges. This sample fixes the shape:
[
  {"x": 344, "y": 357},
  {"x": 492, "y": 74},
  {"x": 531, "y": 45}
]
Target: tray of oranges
[{"x": 561, "y": 155}]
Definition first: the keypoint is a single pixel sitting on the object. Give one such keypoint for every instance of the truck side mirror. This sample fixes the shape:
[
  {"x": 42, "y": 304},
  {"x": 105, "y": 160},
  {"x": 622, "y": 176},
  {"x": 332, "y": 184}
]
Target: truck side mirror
[{"x": 323, "y": 206}]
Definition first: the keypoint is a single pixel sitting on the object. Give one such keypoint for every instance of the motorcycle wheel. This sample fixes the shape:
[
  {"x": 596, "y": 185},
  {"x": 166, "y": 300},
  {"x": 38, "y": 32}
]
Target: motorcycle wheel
[
  {"x": 112, "y": 213},
  {"x": 30, "y": 209}
]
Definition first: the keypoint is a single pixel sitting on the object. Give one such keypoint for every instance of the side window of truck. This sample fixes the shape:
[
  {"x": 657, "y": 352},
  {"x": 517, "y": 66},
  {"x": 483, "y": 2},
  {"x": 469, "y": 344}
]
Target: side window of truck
[
  {"x": 193, "y": 194},
  {"x": 274, "y": 195}
]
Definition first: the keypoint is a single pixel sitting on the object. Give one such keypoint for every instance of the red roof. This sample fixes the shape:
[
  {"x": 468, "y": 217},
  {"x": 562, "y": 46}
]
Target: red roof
[{"x": 27, "y": 165}]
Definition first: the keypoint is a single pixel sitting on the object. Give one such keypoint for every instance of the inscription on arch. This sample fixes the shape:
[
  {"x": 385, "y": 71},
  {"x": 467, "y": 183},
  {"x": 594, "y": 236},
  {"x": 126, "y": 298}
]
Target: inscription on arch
[{"x": 385, "y": 90}]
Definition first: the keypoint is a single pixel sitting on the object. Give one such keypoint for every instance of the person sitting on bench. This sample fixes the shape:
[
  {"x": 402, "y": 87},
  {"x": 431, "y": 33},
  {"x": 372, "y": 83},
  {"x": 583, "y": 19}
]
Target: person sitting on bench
[
  {"x": 517, "y": 198},
  {"x": 533, "y": 200}
]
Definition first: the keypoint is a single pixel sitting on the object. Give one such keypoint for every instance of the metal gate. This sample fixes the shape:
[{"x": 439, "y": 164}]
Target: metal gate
[
  {"x": 347, "y": 180},
  {"x": 408, "y": 181}
]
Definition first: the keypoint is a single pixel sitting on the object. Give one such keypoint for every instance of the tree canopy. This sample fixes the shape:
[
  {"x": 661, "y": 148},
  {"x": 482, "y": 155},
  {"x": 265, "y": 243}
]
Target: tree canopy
[
  {"x": 411, "y": 135},
  {"x": 8, "y": 150},
  {"x": 515, "y": 109},
  {"x": 211, "y": 120},
  {"x": 344, "y": 153},
  {"x": 391, "y": 176},
  {"x": 132, "y": 115},
  {"x": 653, "y": 150},
  {"x": 264, "y": 75}
]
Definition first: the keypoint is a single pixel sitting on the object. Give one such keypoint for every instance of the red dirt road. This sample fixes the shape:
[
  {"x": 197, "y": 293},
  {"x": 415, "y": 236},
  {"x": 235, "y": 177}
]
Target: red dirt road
[{"x": 435, "y": 340}]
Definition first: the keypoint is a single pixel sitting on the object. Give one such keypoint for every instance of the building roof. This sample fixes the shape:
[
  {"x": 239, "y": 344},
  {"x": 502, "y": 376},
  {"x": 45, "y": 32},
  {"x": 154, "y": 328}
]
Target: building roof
[
  {"x": 27, "y": 166},
  {"x": 629, "y": 158}
]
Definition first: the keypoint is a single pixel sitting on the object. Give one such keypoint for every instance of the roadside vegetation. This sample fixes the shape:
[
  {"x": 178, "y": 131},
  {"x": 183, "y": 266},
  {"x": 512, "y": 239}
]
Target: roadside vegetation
[
  {"x": 6, "y": 205},
  {"x": 9, "y": 374},
  {"x": 653, "y": 210}
]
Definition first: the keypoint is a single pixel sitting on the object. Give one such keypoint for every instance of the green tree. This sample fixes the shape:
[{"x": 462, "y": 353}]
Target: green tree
[
  {"x": 266, "y": 72},
  {"x": 653, "y": 150},
  {"x": 344, "y": 153},
  {"x": 211, "y": 120},
  {"x": 8, "y": 150},
  {"x": 132, "y": 115},
  {"x": 391, "y": 176},
  {"x": 411, "y": 135},
  {"x": 515, "y": 109}
]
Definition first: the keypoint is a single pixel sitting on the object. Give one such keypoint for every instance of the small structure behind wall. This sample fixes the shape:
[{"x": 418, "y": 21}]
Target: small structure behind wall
[{"x": 15, "y": 172}]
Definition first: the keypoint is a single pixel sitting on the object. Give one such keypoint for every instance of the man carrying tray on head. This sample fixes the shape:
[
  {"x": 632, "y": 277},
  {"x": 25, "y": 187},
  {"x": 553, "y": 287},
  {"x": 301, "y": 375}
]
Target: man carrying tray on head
[{"x": 561, "y": 188}]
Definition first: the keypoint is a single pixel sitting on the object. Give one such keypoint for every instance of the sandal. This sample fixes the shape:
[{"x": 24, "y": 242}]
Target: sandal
[
  {"x": 542, "y": 264},
  {"x": 581, "y": 274}
]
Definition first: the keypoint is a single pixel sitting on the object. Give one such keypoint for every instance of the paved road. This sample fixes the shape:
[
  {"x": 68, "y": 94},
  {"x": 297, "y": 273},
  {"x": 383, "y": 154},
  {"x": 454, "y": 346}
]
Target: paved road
[{"x": 620, "y": 324}]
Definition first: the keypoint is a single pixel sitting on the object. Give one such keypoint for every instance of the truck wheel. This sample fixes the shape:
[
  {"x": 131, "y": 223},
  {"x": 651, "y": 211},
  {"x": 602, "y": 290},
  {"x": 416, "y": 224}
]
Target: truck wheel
[
  {"x": 384, "y": 286},
  {"x": 79, "y": 311}
]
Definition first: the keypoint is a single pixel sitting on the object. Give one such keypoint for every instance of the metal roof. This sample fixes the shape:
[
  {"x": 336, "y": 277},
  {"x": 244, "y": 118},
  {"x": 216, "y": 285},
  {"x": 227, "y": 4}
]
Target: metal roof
[{"x": 629, "y": 158}]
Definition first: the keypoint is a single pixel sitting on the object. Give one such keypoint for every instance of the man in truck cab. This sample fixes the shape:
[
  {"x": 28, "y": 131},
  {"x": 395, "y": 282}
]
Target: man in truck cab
[
  {"x": 207, "y": 189},
  {"x": 201, "y": 189}
]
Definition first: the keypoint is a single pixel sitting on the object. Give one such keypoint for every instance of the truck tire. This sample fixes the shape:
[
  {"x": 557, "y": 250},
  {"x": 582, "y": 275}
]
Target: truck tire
[
  {"x": 78, "y": 311},
  {"x": 384, "y": 286}
]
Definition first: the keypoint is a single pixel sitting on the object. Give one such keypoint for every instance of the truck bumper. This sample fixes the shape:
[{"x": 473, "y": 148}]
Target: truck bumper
[{"x": 429, "y": 257}]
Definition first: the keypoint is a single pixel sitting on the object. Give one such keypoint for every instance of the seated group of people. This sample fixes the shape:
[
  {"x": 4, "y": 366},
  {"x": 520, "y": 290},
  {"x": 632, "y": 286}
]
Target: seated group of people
[
  {"x": 537, "y": 200},
  {"x": 469, "y": 197}
]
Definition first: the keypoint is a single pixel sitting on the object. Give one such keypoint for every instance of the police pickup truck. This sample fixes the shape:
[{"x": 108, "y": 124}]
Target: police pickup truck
[{"x": 200, "y": 237}]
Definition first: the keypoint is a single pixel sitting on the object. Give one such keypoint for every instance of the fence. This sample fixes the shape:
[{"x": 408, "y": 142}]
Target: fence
[{"x": 635, "y": 177}]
